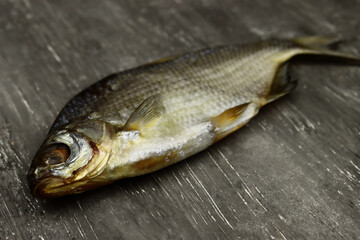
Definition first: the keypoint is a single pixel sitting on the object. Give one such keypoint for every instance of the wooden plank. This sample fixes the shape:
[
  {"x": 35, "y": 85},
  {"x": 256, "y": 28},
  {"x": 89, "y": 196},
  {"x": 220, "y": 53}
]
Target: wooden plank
[{"x": 291, "y": 173}]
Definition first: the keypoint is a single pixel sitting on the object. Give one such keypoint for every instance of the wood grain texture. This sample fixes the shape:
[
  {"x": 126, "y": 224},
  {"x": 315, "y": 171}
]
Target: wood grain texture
[{"x": 292, "y": 173}]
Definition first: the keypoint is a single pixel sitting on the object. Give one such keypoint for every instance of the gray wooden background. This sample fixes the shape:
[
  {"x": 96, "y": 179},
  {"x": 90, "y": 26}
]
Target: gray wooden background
[{"x": 292, "y": 173}]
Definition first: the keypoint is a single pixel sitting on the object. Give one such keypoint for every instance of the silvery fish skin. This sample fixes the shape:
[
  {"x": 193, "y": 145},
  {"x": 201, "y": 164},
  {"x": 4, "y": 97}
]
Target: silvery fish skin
[{"x": 144, "y": 119}]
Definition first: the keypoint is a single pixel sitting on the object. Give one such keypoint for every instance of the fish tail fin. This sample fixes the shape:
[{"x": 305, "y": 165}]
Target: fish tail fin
[
  {"x": 326, "y": 46},
  {"x": 283, "y": 83}
]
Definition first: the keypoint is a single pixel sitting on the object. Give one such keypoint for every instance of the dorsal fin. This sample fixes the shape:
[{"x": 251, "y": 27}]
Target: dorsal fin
[
  {"x": 145, "y": 115},
  {"x": 318, "y": 42}
]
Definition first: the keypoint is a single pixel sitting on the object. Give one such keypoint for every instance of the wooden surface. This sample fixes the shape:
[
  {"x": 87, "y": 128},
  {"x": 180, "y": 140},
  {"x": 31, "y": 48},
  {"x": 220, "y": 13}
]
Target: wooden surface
[{"x": 292, "y": 173}]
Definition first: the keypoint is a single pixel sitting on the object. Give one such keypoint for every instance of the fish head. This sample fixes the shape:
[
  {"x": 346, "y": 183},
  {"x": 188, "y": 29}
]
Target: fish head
[{"x": 71, "y": 160}]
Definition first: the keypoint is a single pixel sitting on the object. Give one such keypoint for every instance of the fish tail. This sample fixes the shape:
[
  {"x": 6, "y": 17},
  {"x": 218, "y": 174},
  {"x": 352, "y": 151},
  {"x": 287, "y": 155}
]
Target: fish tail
[
  {"x": 283, "y": 83},
  {"x": 326, "y": 46}
]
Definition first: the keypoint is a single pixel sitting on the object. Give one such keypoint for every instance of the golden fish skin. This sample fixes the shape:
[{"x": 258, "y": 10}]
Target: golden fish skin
[{"x": 138, "y": 121}]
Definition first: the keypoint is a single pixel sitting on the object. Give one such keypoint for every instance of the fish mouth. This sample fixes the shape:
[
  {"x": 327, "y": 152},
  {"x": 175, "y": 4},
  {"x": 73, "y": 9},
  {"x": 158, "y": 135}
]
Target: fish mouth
[
  {"x": 44, "y": 187},
  {"x": 50, "y": 186}
]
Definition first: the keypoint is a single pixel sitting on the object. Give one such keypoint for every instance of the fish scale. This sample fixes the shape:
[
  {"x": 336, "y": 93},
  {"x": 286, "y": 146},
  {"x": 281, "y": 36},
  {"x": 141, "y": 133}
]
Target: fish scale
[
  {"x": 192, "y": 80},
  {"x": 141, "y": 120},
  {"x": 198, "y": 81}
]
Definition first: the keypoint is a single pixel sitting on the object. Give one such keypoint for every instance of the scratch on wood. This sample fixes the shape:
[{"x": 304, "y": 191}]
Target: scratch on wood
[
  {"x": 87, "y": 220},
  {"x": 237, "y": 192},
  {"x": 215, "y": 206},
  {"x": 280, "y": 233},
  {"x": 79, "y": 227},
  {"x": 53, "y": 53},
  {"x": 177, "y": 179},
  {"x": 10, "y": 218},
  {"x": 246, "y": 187},
  {"x": 159, "y": 184},
  {"x": 357, "y": 168}
]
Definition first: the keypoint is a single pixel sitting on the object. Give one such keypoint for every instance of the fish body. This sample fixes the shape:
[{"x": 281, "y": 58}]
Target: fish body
[{"x": 141, "y": 120}]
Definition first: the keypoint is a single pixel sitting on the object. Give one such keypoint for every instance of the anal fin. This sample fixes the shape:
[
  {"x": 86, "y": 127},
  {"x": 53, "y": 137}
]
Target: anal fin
[
  {"x": 282, "y": 83},
  {"x": 233, "y": 119}
]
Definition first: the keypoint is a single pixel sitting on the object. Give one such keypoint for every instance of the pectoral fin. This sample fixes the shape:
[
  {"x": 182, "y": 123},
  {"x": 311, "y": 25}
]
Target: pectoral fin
[
  {"x": 233, "y": 119},
  {"x": 146, "y": 114}
]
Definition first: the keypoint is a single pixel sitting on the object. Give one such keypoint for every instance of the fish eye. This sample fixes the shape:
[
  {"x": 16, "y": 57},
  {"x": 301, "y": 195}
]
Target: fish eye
[{"x": 55, "y": 154}]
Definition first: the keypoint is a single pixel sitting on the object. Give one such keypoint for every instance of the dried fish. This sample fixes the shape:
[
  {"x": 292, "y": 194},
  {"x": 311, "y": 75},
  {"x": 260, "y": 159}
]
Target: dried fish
[{"x": 144, "y": 119}]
